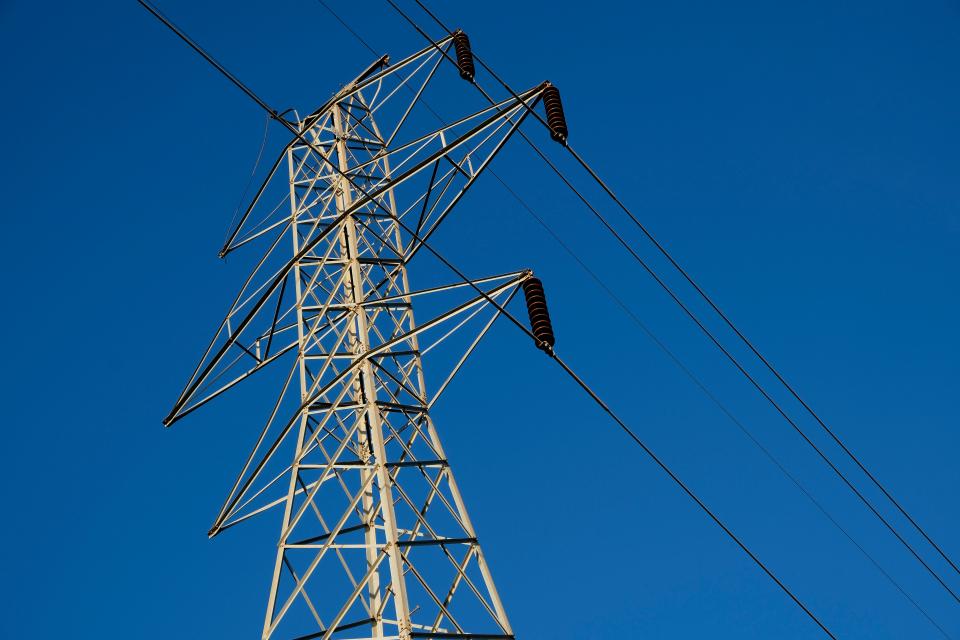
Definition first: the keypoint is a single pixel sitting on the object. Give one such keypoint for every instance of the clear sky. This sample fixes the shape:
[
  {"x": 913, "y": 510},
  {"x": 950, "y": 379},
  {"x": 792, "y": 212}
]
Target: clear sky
[{"x": 800, "y": 158}]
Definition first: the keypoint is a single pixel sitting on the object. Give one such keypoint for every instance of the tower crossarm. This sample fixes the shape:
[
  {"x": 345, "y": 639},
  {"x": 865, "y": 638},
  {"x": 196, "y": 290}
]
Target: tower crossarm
[{"x": 481, "y": 135}]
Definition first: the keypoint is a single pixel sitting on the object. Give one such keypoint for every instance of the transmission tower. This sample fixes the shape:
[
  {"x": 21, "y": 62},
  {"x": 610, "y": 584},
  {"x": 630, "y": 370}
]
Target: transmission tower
[{"x": 375, "y": 541}]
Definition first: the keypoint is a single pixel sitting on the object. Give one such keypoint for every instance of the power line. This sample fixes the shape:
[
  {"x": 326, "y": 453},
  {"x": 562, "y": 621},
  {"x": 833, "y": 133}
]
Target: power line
[
  {"x": 683, "y": 272},
  {"x": 348, "y": 28},
  {"x": 716, "y": 401},
  {"x": 666, "y": 350},
  {"x": 670, "y": 354},
  {"x": 760, "y": 356},
  {"x": 764, "y": 360},
  {"x": 206, "y": 56},
  {"x": 636, "y": 439},
  {"x": 689, "y": 313},
  {"x": 633, "y": 436}
]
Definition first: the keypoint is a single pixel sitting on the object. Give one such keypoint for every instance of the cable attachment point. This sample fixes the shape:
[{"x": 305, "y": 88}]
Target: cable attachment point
[
  {"x": 555, "y": 118},
  {"x": 461, "y": 44},
  {"x": 540, "y": 324}
]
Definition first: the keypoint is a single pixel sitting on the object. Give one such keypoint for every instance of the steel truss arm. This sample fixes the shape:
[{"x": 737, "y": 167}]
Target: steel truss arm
[
  {"x": 242, "y": 487},
  {"x": 369, "y": 197}
]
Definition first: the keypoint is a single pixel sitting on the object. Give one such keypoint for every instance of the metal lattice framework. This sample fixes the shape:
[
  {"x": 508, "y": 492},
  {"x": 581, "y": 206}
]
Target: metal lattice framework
[{"x": 375, "y": 539}]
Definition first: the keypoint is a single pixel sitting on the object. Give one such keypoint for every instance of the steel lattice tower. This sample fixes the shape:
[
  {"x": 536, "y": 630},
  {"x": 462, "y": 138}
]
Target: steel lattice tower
[{"x": 375, "y": 539}]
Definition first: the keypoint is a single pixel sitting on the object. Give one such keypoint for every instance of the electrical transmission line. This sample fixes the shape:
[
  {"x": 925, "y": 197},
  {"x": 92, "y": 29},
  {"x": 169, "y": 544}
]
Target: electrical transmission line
[
  {"x": 700, "y": 325},
  {"x": 673, "y": 357}
]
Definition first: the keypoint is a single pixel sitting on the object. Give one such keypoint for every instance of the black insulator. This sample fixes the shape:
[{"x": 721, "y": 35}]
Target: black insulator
[
  {"x": 461, "y": 44},
  {"x": 555, "y": 118},
  {"x": 540, "y": 324}
]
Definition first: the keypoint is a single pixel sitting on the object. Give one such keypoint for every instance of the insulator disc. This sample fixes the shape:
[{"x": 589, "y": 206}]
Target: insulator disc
[
  {"x": 540, "y": 324},
  {"x": 461, "y": 45},
  {"x": 555, "y": 118}
]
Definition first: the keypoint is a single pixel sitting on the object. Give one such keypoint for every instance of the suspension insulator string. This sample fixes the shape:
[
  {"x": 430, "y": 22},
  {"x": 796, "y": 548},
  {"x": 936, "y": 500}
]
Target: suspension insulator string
[
  {"x": 555, "y": 118},
  {"x": 461, "y": 46},
  {"x": 540, "y": 323}
]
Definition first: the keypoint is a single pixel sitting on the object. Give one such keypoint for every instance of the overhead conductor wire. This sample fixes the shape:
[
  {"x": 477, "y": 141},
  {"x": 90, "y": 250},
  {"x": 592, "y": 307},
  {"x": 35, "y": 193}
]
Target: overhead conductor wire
[
  {"x": 693, "y": 317},
  {"x": 596, "y": 398},
  {"x": 673, "y": 357}
]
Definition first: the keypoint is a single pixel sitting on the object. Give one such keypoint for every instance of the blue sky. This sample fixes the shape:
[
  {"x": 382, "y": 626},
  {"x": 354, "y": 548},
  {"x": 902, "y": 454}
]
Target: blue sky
[{"x": 800, "y": 159}]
